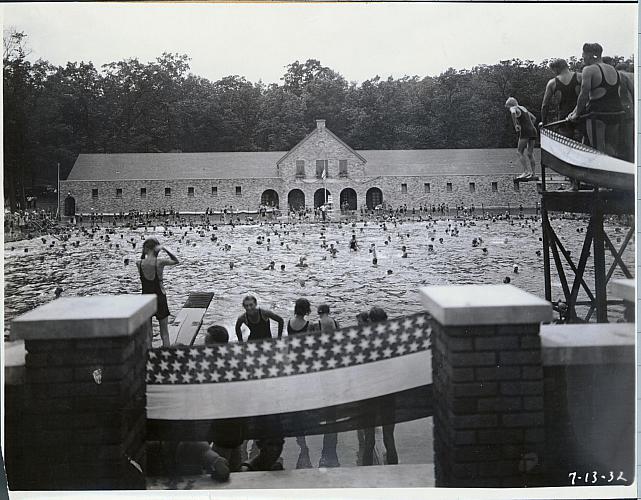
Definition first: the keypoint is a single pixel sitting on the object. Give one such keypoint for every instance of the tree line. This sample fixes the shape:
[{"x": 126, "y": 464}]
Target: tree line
[{"x": 53, "y": 113}]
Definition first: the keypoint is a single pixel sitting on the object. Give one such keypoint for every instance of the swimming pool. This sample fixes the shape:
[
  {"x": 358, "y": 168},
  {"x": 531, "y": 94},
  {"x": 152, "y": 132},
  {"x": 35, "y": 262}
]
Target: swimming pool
[{"x": 348, "y": 283}]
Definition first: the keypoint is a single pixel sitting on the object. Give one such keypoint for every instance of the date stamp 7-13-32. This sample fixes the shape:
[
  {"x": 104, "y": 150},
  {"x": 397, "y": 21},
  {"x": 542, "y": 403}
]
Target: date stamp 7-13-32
[{"x": 594, "y": 477}]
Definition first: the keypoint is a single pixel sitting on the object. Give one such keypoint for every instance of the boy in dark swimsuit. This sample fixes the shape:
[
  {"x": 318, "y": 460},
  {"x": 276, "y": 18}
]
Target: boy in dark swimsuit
[
  {"x": 565, "y": 86},
  {"x": 257, "y": 320},
  {"x": 524, "y": 124}
]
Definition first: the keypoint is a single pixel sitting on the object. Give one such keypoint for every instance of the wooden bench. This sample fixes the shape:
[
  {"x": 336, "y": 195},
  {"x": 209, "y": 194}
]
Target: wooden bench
[{"x": 186, "y": 325}]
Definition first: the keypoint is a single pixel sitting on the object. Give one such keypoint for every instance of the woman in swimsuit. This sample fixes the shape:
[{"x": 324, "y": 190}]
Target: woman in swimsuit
[{"x": 150, "y": 269}]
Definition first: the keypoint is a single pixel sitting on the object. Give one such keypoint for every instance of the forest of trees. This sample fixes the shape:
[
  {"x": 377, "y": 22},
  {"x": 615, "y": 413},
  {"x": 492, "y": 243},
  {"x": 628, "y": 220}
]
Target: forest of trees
[{"x": 53, "y": 113}]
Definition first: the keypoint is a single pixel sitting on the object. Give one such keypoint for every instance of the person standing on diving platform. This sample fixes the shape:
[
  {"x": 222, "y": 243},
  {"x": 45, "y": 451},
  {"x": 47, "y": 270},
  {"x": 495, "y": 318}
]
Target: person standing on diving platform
[
  {"x": 599, "y": 96},
  {"x": 565, "y": 86},
  {"x": 524, "y": 125}
]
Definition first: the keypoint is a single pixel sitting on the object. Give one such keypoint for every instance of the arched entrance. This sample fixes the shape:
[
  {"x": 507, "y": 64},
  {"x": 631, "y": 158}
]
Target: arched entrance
[
  {"x": 296, "y": 199},
  {"x": 319, "y": 197},
  {"x": 70, "y": 206},
  {"x": 348, "y": 199},
  {"x": 269, "y": 198},
  {"x": 373, "y": 197}
]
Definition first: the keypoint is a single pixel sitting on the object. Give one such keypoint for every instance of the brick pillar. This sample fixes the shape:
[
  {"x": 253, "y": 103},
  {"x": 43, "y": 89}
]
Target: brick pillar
[
  {"x": 488, "y": 385},
  {"x": 85, "y": 392}
]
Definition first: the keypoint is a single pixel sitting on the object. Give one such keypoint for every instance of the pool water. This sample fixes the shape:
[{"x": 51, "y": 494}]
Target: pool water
[{"x": 348, "y": 283}]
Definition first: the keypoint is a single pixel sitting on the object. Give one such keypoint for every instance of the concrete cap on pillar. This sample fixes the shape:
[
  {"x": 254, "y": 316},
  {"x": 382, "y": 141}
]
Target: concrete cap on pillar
[
  {"x": 462, "y": 305},
  {"x": 85, "y": 317},
  {"x": 624, "y": 289}
]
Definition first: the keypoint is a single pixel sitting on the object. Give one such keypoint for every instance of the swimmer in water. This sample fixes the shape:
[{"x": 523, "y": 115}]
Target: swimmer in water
[
  {"x": 404, "y": 250},
  {"x": 353, "y": 244},
  {"x": 301, "y": 262},
  {"x": 270, "y": 267},
  {"x": 374, "y": 256},
  {"x": 506, "y": 280}
]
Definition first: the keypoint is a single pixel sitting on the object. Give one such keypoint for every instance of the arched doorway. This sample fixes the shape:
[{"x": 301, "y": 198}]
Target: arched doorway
[
  {"x": 70, "y": 206},
  {"x": 269, "y": 198},
  {"x": 296, "y": 199},
  {"x": 348, "y": 197},
  {"x": 373, "y": 197},
  {"x": 319, "y": 197}
]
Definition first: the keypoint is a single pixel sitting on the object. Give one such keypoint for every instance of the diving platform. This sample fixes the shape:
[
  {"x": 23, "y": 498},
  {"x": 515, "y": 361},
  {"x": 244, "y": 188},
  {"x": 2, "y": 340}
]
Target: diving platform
[{"x": 608, "y": 190}]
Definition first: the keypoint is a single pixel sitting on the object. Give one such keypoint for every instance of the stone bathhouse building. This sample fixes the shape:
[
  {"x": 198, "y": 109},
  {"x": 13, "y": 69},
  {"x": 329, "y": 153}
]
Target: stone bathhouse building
[{"x": 194, "y": 182}]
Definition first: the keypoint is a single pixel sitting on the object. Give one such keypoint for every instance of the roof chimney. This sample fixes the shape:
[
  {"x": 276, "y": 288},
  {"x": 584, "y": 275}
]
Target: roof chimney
[{"x": 320, "y": 124}]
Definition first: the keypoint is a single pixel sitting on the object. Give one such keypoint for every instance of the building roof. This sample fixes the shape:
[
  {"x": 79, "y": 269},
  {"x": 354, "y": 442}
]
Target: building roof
[
  {"x": 331, "y": 134},
  {"x": 239, "y": 165}
]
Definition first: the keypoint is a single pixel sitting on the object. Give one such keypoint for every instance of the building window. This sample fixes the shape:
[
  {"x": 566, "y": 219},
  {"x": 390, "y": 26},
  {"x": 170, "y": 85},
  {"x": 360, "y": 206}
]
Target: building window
[
  {"x": 404, "y": 188},
  {"x": 143, "y": 192},
  {"x": 118, "y": 192},
  {"x": 167, "y": 191},
  {"x": 342, "y": 168},
  {"x": 94, "y": 193},
  {"x": 448, "y": 187},
  {"x": 426, "y": 187},
  {"x": 517, "y": 186},
  {"x": 472, "y": 187},
  {"x": 320, "y": 166},
  {"x": 190, "y": 192},
  {"x": 495, "y": 187},
  {"x": 238, "y": 191},
  {"x": 300, "y": 168},
  {"x": 214, "y": 190}
]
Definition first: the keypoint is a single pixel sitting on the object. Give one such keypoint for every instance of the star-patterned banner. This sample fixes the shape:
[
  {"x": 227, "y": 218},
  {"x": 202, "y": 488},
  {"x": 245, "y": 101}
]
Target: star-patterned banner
[{"x": 300, "y": 373}]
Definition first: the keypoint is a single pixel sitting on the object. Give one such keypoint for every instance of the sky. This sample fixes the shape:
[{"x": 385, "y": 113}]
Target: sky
[{"x": 359, "y": 40}]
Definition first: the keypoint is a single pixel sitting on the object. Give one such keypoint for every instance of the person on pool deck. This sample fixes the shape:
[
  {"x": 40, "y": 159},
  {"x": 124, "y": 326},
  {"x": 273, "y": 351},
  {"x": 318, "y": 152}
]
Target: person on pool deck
[
  {"x": 329, "y": 458},
  {"x": 599, "y": 97},
  {"x": 257, "y": 320},
  {"x": 150, "y": 269},
  {"x": 566, "y": 86},
  {"x": 298, "y": 324},
  {"x": 377, "y": 315},
  {"x": 524, "y": 124}
]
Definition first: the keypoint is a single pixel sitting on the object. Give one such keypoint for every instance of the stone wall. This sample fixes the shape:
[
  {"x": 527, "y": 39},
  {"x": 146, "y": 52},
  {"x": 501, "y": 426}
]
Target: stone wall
[{"x": 252, "y": 189}]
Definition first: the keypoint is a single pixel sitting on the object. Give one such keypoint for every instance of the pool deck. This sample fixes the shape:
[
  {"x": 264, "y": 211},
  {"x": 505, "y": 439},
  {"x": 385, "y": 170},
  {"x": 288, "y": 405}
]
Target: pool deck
[{"x": 377, "y": 476}]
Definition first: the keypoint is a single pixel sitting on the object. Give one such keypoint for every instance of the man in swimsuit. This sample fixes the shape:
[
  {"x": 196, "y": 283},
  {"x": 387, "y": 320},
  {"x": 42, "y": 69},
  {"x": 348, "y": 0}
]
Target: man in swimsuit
[
  {"x": 599, "y": 96},
  {"x": 524, "y": 125},
  {"x": 565, "y": 86},
  {"x": 257, "y": 320}
]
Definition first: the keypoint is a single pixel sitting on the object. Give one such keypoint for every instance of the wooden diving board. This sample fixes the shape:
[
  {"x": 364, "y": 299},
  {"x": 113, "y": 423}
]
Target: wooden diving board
[{"x": 186, "y": 325}]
